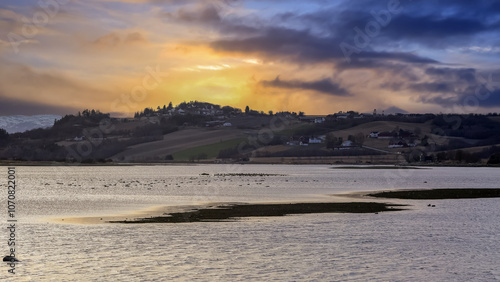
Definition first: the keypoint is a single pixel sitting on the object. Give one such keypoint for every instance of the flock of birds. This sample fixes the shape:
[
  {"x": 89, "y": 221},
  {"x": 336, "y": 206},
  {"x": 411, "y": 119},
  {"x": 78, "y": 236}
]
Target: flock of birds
[{"x": 175, "y": 182}]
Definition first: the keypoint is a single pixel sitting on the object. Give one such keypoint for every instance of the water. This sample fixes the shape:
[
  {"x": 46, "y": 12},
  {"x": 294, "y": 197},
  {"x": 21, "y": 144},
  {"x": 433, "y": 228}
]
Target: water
[{"x": 457, "y": 240}]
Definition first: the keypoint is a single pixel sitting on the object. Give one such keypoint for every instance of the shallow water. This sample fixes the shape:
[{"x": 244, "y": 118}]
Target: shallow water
[{"x": 457, "y": 240}]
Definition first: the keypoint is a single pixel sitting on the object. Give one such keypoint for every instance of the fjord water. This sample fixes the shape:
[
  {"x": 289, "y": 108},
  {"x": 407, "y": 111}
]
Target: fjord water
[{"x": 456, "y": 240}]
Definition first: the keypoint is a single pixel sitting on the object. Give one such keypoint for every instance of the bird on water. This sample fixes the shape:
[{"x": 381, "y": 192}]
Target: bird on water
[{"x": 10, "y": 259}]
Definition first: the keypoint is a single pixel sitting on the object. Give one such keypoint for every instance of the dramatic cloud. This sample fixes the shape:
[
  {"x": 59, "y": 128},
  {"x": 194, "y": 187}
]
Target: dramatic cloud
[
  {"x": 432, "y": 87},
  {"x": 431, "y": 27},
  {"x": 302, "y": 46},
  {"x": 453, "y": 74},
  {"x": 200, "y": 14},
  {"x": 323, "y": 86},
  {"x": 419, "y": 56}
]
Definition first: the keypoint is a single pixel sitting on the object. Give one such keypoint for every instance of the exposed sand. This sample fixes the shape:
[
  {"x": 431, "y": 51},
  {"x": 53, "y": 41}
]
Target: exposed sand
[{"x": 152, "y": 211}]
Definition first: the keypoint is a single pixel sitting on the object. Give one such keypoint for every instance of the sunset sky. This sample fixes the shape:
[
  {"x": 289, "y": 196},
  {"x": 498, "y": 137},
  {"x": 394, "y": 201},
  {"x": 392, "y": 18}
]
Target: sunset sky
[{"x": 319, "y": 56}]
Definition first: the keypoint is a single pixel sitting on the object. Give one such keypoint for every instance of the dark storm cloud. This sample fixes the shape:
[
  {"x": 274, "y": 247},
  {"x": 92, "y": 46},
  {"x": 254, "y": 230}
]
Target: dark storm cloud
[
  {"x": 439, "y": 87},
  {"x": 322, "y": 31},
  {"x": 300, "y": 45},
  {"x": 463, "y": 87},
  {"x": 493, "y": 100},
  {"x": 326, "y": 86},
  {"x": 435, "y": 31},
  {"x": 431, "y": 27},
  {"x": 453, "y": 74},
  {"x": 383, "y": 60},
  {"x": 304, "y": 47},
  {"x": 466, "y": 99}
]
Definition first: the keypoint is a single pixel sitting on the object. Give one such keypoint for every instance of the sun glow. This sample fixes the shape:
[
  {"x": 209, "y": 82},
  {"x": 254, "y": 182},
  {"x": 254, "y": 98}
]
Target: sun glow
[{"x": 216, "y": 67}]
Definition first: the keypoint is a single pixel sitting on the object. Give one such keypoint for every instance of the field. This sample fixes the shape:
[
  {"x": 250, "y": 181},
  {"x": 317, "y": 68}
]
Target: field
[
  {"x": 207, "y": 151},
  {"x": 175, "y": 142}
]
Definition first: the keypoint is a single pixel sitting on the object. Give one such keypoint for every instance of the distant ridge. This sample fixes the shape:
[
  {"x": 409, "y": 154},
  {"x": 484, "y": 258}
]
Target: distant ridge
[
  {"x": 20, "y": 123},
  {"x": 394, "y": 110}
]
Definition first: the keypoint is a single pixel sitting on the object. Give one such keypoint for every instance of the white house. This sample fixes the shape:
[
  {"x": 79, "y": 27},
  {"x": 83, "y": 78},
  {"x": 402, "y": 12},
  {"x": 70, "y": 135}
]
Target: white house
[
  {"x": 319, "y": 120},
  {"x": 374, "y": 134},
  {"x": 347, "y": 143},
  {"x": 314, "y": 140}
]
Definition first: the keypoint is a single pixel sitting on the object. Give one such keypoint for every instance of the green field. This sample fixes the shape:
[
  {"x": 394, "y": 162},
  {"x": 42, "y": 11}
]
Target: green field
[{"x": 206, "y": 151}]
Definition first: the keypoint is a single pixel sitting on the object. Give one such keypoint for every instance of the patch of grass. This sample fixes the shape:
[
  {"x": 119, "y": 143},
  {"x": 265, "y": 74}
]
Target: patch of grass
[
  {"x": 440, "y": 194},
  {"x": 302, "y": 129},
  {"x": 207, "y": 151}
]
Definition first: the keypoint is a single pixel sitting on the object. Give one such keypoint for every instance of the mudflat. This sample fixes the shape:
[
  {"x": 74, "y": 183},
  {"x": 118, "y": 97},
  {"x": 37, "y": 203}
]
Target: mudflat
[
  {"x": 227, "y": 212},
  {"x": 440, "y": 194}
]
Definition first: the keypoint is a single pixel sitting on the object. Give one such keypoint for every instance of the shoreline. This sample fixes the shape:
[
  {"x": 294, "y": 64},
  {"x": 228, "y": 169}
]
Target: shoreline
[{"x": 335, "y": 165}]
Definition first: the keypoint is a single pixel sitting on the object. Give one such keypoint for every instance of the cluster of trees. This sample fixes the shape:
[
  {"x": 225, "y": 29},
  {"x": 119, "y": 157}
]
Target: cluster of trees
[
  {"x": 471, "y": 126},
  {"x": 455, "y": 156},
  {"x": 34, "y": 150},
  {"x": 459, "y": 156},
  {"x": 150, "y": 111},
  {"x": 494, "y": 159},
  {"x": 186, "y": 106},
  {"x": 318, "y": 152},
  {"x": 249, "y": 111},
  {"x": 4, "y": 137},
  {"x": 86, "y": 117}
]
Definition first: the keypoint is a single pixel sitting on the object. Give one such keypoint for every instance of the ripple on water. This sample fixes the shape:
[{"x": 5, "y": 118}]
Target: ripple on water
[{"x": 456, "y": 240}]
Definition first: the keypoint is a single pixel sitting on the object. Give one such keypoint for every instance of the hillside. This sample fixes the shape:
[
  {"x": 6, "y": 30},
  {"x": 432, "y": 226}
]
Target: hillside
[
  {"x": 385, "y": 126},
  {"x": 176, "y": 141},
  {"x": 199, "y": 131}
]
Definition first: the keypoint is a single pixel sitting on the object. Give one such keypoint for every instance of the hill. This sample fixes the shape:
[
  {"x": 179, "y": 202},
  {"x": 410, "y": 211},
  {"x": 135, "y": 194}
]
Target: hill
[{"x": 203, "y": 131}]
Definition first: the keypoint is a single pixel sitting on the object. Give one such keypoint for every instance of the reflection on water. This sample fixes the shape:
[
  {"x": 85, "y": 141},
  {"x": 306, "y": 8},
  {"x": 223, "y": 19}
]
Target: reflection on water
[{"x": 456, "y": 240}]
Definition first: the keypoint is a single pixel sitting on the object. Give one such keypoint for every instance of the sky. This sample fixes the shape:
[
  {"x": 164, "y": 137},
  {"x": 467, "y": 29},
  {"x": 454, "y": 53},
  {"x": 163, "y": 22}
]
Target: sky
[{"x": 317, "y": 56}]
